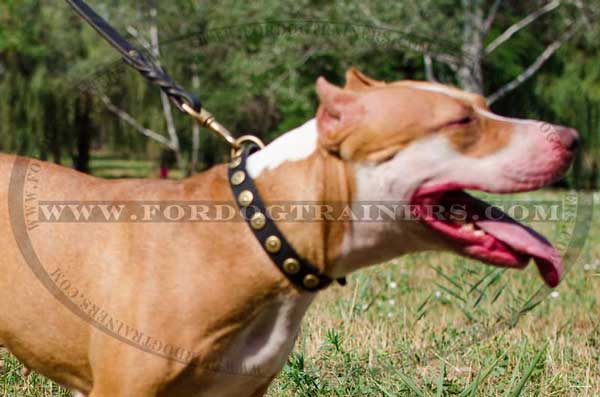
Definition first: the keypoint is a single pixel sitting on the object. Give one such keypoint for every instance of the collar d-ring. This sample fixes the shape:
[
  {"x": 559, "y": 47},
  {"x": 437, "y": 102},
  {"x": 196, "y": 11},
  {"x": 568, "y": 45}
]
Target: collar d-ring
[{"x": 238, "y": 146}]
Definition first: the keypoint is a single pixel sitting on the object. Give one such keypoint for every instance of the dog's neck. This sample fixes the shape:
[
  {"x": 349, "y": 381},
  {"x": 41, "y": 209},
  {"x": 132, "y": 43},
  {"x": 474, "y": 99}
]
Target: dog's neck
[
  {"x": 295, "y": 170},
  {"x": 295, "y": 145}
]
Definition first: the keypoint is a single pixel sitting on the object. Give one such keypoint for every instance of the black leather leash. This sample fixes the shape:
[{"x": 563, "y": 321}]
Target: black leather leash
[{"x": 298, "y": 270}]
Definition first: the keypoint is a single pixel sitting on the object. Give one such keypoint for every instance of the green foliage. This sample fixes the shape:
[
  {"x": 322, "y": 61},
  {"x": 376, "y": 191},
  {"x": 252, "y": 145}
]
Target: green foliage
[{"x": 258, "y": 62}]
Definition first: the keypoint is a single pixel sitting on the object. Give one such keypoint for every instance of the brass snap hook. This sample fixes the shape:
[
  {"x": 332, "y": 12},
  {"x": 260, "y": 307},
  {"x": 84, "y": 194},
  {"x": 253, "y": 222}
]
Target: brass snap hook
[{"x": 207, "y": 120}]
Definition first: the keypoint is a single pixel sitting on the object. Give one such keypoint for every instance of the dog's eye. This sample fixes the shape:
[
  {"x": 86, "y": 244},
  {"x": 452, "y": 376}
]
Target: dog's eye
[{"x": 461, "y": 122}]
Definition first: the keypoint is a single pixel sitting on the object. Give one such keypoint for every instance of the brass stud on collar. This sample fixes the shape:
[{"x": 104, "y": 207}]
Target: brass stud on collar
[
  {"x": 245, "y": 198},
  {"x": 291, "y": 266},
  {"x": 258, "y": 221},
  {"x": 311, "y": 281},
  {"x": 273, "y": 244},
  {"x": 238, "y": 178},
  {"x": 235, "y": 162}
]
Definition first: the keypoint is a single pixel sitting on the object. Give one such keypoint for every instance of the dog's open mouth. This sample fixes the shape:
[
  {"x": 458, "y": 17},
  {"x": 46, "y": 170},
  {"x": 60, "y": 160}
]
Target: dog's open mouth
[{"x": 483, "y": 232}]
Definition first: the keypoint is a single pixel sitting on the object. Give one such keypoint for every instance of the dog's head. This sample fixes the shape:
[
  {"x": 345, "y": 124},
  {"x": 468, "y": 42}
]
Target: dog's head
[{"x": 423, "y": 143}]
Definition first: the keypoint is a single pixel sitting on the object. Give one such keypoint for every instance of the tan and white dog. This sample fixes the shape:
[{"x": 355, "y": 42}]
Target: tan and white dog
[{"x": 197, "y": 308}]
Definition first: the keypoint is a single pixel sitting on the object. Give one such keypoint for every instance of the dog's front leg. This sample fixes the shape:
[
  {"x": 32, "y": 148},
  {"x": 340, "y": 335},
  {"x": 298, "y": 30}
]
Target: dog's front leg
[
  {"x": 120, "y": 370},
  {"x": 262, "y": 391},
  {"x": 122, "y": 381}
]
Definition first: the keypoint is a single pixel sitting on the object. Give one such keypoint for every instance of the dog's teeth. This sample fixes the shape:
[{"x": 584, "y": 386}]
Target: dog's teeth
[
  {"x": 457, "y": 219},
  {"x": 479, "y": 233},
  {"x": 469, "y": 227}
]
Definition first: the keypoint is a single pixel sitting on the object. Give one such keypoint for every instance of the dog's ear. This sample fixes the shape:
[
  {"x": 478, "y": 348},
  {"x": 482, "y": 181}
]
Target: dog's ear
[
  {"x": 335, "y": 115},
  {"x": 356, "y": 80}
]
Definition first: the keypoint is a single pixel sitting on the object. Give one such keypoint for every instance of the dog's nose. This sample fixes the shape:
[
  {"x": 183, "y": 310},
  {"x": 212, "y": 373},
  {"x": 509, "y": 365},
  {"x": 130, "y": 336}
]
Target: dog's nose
[{"x": 568, "y": 138}]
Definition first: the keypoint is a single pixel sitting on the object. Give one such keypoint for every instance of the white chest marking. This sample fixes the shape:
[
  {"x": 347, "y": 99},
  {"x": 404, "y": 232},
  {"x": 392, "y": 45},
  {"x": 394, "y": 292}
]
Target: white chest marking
[
  {"x": 268, "y": 341},
  {"x": 261, "y": 349},
  {"x": 295, "y": 145}
]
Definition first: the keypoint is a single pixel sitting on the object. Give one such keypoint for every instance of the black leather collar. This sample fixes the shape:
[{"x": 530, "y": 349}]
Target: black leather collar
[{"x": 299, "y": 271}]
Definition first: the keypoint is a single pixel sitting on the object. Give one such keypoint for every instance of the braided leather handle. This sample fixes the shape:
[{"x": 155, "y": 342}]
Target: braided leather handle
[
  {"x": 177, "y": 94},
  {"x": 156, "y": 75}
]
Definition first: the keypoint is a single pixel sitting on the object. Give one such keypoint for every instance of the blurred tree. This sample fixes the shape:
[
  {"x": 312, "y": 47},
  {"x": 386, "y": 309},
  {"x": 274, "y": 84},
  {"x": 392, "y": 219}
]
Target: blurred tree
[
  {"x": 254, "y": 65},
  {"x": 474, "y": 25}
]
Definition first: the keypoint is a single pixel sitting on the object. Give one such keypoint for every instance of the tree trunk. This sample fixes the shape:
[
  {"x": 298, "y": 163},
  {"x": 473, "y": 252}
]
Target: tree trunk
[
  {"x": 167, "y": 109},
  {"x": 84, "y": 133},
  {"x": 195, "y": 128},
  {"x": 49, "y": 128},
  {"x": 470, "y": 72},
  {"x": 57, "y": 140}
]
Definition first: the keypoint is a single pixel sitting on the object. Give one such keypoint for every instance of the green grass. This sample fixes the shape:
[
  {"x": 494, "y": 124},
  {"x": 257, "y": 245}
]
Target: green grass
[
  {"x": 436, "y": 325},
  {"x": 14, "y": 384},
  {"x": 110, "y": 166}
]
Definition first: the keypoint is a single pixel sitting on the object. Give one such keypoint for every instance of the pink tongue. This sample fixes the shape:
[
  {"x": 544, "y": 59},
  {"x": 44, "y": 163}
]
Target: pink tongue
[{"x": 525, "y": 240}]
